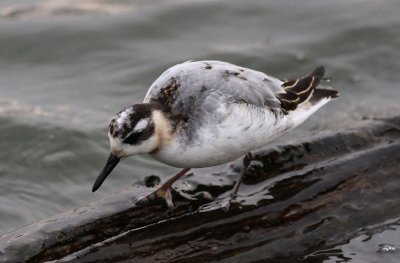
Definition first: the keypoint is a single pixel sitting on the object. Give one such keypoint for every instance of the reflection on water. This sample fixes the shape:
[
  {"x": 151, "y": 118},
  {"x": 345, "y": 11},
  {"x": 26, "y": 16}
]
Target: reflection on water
[
  {"x": 67, "y": 66},
  {"x": 380, "y": 243}
]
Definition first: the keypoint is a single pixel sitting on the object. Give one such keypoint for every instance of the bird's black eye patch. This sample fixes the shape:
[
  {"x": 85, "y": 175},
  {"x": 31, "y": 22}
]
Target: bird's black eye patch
[
  {"x": 133, "y": 138},
  {"x": 137, "y": 137}
]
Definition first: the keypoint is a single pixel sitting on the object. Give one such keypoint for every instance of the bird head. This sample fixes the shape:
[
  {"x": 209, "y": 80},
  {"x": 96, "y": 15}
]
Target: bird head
[{"x": 136, "y": 129}]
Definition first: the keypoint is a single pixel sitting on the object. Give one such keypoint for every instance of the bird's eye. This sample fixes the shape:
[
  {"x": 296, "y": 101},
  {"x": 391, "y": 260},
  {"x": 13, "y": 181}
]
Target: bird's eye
[{"x": 133, "y": 138}]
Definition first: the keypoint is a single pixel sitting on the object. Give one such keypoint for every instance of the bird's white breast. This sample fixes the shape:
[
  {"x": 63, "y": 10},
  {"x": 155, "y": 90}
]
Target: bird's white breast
[{"x": 244, "y": 128}]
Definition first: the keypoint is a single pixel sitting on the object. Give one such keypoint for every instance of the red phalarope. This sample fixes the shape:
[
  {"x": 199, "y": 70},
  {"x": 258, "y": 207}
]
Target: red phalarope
[{"x": 206, "y": 113}]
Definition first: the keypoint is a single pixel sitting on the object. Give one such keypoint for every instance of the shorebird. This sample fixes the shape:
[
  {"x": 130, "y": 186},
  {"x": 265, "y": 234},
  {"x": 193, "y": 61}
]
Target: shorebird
[{"x": 205, "y": 113}]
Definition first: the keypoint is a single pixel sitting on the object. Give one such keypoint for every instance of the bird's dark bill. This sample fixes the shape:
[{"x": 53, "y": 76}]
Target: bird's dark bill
[{"x": 112, "y": 161}]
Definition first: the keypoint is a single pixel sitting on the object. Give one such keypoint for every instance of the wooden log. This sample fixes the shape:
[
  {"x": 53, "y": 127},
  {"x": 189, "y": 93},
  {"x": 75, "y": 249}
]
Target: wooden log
[{"x": 296, "y": 199}]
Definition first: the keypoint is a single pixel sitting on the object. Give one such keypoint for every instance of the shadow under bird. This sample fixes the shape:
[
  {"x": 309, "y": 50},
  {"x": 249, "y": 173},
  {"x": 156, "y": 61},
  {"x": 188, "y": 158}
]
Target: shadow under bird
[{"x": 205, "y": 113}]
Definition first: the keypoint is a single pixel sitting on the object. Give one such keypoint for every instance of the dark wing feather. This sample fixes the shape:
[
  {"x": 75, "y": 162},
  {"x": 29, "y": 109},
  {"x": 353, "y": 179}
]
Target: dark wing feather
[
  {"x": 301, "y": 90},
  {"x": 323, "y": 93}
]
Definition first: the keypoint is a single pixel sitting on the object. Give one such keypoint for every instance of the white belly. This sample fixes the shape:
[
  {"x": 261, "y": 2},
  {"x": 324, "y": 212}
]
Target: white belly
[{"x": 242, "y": 131}]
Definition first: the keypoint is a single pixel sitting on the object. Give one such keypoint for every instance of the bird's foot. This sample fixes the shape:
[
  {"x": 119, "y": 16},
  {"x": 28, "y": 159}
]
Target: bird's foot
[
  {"x": 165, "y": 192},
  {"x": 162, "y": 192}
]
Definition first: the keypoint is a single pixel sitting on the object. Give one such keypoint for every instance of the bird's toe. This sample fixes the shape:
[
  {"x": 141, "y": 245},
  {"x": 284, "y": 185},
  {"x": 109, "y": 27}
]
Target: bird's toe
[{"x": 203, "y": 195}]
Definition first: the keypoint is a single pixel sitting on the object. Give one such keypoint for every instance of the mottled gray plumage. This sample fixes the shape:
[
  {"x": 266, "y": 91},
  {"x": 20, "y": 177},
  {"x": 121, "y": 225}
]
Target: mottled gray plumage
[
  {"x": 215, "y": 79},
  {"x": 193, "y": 91}
]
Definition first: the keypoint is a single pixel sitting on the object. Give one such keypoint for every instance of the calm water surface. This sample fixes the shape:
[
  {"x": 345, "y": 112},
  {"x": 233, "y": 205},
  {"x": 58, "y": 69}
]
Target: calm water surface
[{"x": 66, "y": 67}]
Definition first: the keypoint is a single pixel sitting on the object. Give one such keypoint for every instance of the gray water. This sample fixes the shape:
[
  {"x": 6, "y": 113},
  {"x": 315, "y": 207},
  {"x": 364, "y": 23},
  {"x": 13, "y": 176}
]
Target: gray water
[{"x": 66, "y": 67}]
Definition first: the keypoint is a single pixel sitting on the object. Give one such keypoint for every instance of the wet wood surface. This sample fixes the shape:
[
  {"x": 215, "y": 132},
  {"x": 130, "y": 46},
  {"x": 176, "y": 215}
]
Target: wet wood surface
[{"x": 295, "y": 199}]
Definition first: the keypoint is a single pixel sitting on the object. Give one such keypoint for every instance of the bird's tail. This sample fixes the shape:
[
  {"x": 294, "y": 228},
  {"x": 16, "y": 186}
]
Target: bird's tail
[
  {"x": 303, "y": 98},
  {"x": 303, "y": 90}
]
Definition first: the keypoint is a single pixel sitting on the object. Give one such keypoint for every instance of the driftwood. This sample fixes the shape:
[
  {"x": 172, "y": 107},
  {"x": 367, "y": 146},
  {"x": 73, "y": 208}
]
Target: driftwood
[{"x": 296, "y": 199}]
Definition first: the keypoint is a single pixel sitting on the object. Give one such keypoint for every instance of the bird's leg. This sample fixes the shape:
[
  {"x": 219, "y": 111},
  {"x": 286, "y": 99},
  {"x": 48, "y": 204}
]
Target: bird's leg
[
  {"x": 246, "y": 162},
  {"x": 164, "y": 190}
]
